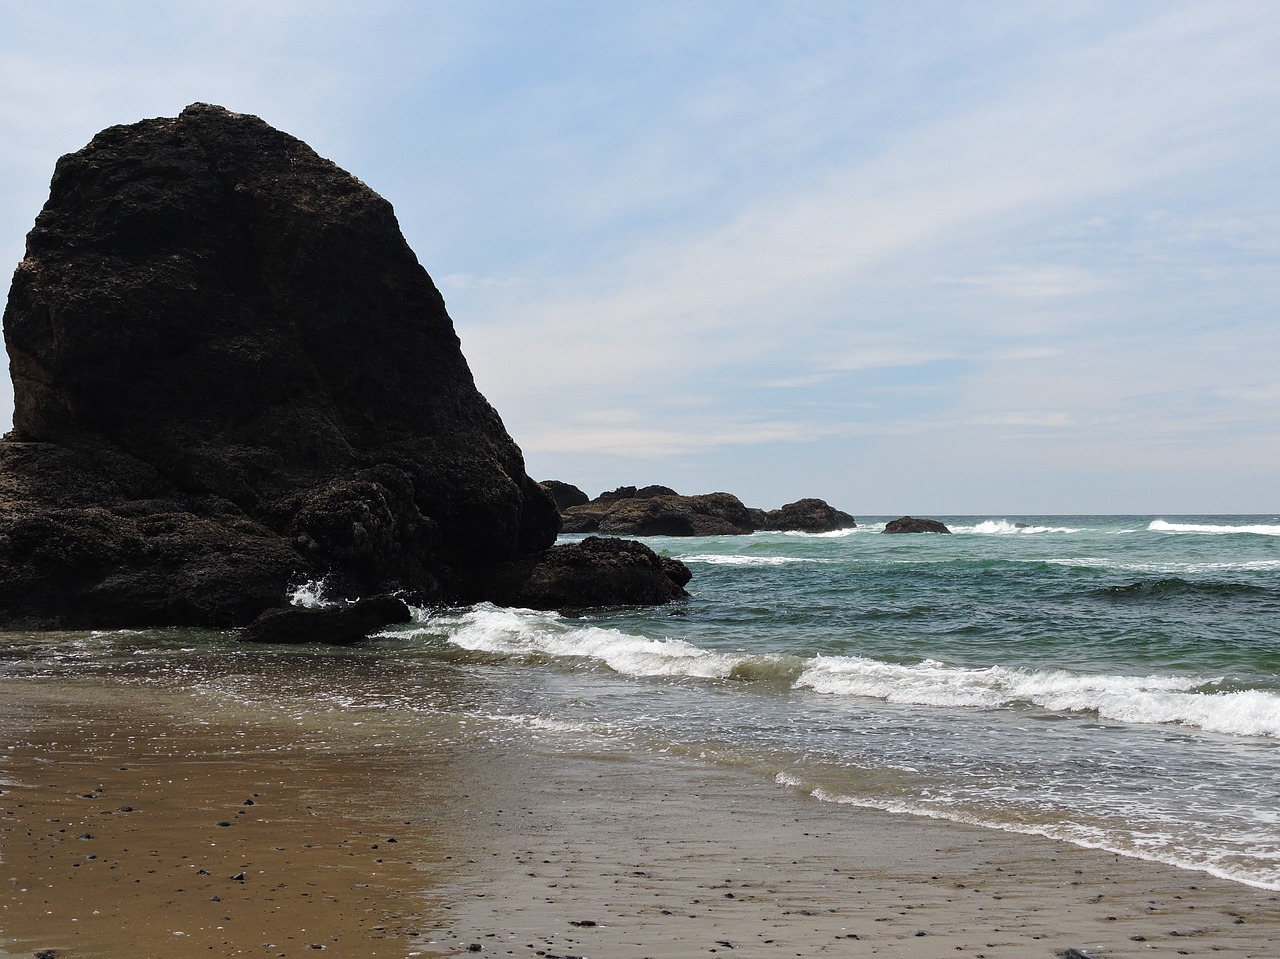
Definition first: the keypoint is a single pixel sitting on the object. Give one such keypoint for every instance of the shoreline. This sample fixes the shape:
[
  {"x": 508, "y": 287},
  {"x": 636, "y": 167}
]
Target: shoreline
[{"x": 124, "y": 835}]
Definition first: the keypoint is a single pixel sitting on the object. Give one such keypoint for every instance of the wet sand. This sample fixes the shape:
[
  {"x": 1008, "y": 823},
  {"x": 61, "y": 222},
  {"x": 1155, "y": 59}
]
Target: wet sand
[{"x": 141, "y": 831}]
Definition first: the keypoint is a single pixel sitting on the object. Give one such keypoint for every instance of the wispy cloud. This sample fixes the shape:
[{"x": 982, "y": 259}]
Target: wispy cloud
[{"x": 690, "y": 235}]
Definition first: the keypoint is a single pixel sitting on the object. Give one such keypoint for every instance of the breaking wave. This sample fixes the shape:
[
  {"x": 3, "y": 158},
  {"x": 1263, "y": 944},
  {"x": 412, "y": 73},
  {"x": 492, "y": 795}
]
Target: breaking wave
[
  {"x": 1189, "y": 700},
  {"x": 1259, "y": 529}
]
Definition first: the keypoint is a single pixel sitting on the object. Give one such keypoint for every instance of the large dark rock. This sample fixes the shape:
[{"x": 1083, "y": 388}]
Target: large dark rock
[
  {"x": 661, "y": 511},
  {"x": 596, "y": 571},
  {"x": 911, "y": 524},
  {"x": 231, "y": 372},
  {"x": 808, "y": 516}
]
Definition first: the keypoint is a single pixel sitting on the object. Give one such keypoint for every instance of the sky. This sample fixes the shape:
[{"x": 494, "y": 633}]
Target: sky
[{"x": 938, "y": 258}]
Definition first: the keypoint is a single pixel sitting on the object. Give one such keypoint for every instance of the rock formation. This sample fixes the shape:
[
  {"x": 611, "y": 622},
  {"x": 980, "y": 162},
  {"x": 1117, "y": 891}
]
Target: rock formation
[
  {"x": 910, "y": 524},
  {"x": 622, "y": 572},
  {"x": 661, "y": 511},
  {"x": 807, "y": 516},
  {"x": 340, "y": 625},
  {"x": 565, "y": 494},
  {"x": 232, "y": 374}
]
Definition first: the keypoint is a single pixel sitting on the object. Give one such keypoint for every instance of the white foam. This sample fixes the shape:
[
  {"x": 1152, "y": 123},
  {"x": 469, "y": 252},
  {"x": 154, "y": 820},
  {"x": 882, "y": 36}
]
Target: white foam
[
  {"x": 833, "y": 534},
  {"x": 1094, "y": 562},
  {"x": 714, "y": 559},
  {"x": 1003, "y": 527},
  {"x": 1075, "y": 833},
  {"x": 310, "y": 594},
  {"x": 1162, "y": 526},
  {"x": 526, "y": 633},
  {"x": 1130, "y": 699}
]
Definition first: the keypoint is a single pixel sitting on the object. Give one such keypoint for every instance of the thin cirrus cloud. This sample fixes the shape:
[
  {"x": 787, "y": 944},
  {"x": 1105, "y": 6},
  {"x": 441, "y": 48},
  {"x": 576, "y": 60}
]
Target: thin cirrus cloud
[{"x": 707, "y": 240}]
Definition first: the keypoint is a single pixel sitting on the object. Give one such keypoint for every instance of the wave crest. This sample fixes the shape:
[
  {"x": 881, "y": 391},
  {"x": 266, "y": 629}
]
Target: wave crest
[
  {"x": 1003, "y": 527},
  {"x": 1185, "y": 700},
  {"x": 1259, "y": 529},
  {"x": 533, "y": 635}
]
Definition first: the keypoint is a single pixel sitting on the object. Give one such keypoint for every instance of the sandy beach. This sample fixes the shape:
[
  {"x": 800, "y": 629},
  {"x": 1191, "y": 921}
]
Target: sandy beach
[{"x": 149, "y": 832}]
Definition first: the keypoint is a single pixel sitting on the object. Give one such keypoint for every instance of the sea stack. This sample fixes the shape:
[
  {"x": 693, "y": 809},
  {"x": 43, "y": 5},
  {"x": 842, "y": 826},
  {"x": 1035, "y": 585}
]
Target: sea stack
[{"x": 231, "y": 373}]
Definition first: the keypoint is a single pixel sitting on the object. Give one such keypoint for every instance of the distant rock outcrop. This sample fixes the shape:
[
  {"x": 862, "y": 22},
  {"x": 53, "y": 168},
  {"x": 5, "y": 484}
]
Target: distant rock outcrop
[
  {"x": 910, "y": 524},
  {"x": 808, "y": 516},
  {"x": 661, "y": 511},
  {"x": 565, "y": 494},
  {"x": 231, "y": 374}
]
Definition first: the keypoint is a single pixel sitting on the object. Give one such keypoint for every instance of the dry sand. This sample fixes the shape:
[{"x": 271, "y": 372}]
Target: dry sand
[{"x": 147, "y": 835}]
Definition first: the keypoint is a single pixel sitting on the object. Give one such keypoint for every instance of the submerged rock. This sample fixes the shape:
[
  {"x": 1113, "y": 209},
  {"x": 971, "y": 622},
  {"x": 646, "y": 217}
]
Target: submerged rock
[
  {"x": 340, "y": 625},
  {"x": 231, "y": 373},
  {"x": 910, "y": 524}
]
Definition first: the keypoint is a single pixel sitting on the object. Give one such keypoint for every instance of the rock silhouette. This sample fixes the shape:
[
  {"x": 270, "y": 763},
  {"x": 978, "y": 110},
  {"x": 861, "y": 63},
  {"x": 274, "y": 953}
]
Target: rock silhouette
[
  {"x": 912, "y": 524},
  {"x": 231, "y": 374},
  {"x": 661, "y": 511}
]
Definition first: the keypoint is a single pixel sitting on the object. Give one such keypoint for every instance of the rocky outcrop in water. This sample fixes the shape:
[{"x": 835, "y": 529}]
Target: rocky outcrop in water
[
  {"x": 807, "y": 516},
  {"x": 661, "y": 511},
  {"x": 659, "y": 514},
  {"x": 231, "y": 374},
  {"x": 594, "y": 572},
  {"x": 338, "y": 625},
  {"x": 565, "y": 494},
  {"x": 911, "y": 524}
]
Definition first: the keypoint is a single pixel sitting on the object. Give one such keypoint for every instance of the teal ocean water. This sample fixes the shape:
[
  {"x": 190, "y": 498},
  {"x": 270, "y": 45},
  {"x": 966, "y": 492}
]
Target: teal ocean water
[{"x": 1110, "y": 681}]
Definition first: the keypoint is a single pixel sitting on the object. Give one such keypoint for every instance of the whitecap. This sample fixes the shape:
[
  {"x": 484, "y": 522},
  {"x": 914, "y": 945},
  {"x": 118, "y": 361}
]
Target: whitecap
[
  {"x": 1003, "y": 527},
  {"x": 1155, "y": 699},
  {"x": 531, "y": 634},
  {"x": 714, "y": 559},
  {"x": 1260, "y": 529},
  {"x": 831, "y": 534}
]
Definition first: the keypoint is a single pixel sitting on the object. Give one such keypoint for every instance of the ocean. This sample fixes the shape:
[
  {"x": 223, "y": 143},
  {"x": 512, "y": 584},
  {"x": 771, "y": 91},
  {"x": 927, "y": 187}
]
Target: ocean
[{"x": 1108, "y": 681}]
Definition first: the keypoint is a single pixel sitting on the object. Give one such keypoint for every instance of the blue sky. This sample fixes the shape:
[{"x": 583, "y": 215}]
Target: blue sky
[{"x": 930, "y": 258}]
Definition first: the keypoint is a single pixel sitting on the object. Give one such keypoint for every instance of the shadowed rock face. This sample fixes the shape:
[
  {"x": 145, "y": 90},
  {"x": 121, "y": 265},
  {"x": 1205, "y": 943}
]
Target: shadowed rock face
[{"x": 230, "y": 372}]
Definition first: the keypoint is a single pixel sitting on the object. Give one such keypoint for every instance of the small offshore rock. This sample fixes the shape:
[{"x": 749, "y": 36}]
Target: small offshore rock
[
  {"x": 808, "y": 515},
  {"x": 911, "y": 524}
]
